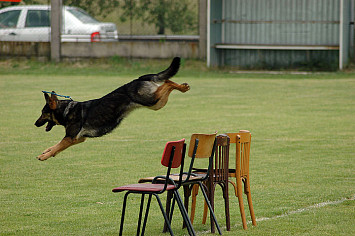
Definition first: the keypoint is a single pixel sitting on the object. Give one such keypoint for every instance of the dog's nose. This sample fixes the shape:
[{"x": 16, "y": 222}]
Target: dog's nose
[{"x": 40, "y": 122}]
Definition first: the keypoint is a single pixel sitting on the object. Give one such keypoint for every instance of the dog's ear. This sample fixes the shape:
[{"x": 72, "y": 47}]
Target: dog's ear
[
  {"x": 46, "y": 96},
  {"x": 53, "y": 101}
]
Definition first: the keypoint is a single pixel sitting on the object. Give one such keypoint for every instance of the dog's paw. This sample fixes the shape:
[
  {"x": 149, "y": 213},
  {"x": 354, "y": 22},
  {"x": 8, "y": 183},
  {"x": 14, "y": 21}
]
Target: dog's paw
[
  {"x": 185, "y": 87},
  {"x": 44, "y": 156},
  {"x": 47, "y": 150}
]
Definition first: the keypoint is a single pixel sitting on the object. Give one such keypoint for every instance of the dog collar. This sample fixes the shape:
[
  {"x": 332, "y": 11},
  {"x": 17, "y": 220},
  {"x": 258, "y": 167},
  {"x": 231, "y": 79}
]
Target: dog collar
[{"x": 58, "y": 95}]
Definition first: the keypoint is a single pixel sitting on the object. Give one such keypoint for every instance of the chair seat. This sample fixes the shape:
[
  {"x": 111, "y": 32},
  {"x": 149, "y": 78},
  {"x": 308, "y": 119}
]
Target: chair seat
[
  {"x": 205, "y": 170},
  {"x": 143, "y": 188},
  {"x": 174, "y": 177}
]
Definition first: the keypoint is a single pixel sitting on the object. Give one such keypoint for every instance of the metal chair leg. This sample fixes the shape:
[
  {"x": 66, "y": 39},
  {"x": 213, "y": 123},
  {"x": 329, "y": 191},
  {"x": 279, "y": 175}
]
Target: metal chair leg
[
  {"x": 123, "y": 212},
  {"x": 146, "y": 214},
  {"x": 168, "y": 203},
  {"x": 164, "y": 214},
  {"x": 172, "y": 210},
  {"x": 210, "y": 208},
  {"x": 187, "y": 194},
  {"x": 140, "y": 214},
  {"x": 184, "y": 214}
]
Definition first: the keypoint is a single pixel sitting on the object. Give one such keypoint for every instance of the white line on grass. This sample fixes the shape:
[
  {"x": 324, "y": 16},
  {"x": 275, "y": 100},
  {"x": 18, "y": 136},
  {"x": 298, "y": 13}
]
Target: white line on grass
[{"x": 318, "y": 205}]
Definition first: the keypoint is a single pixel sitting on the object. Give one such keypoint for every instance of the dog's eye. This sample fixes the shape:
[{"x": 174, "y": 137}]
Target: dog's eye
[{"x": 46, "y": 115}]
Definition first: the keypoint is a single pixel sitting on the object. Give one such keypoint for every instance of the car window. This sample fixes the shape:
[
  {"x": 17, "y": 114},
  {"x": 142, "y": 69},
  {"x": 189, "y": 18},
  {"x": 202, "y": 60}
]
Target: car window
[
  {"x": 83, "y": 16},
  {"x": 37, "y": 18},
  {"x": 9, "y": 19}
]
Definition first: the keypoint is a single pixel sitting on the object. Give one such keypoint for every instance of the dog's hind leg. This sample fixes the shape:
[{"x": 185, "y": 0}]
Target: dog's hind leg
[
  {"x": 172, "y": 85},
  {"x": 163, "y": 92},
  {"x": 62, "y": 145}
]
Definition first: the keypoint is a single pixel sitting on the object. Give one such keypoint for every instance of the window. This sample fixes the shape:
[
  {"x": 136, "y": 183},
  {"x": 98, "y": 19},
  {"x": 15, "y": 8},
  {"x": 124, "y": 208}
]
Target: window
[
  {"x": 37, "y": 18},
  {"x": 9, "y": 19},
  {"x": 83, "y": 16}
]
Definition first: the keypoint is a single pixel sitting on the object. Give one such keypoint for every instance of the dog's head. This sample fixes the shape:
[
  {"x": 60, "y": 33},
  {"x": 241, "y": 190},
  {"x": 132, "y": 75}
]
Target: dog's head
[{"x": 48, "y": 112}]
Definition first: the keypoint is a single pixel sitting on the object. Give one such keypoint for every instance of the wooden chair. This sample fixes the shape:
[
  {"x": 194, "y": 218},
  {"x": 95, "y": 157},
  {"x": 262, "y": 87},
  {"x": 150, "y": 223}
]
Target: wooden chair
[
  {"x": 173, "y": 157},
  {"x": 241, "y": 172},
  {"x": 201, "y": 146},
  {"x": 218, "y": 176}
]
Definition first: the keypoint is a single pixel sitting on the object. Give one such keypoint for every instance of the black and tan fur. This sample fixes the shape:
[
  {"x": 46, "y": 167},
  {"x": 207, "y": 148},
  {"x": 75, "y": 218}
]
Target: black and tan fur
[{"x": 98, "y": 117}]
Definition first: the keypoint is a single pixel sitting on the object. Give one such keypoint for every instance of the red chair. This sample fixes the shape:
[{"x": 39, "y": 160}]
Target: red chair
[
  {"x": 173, "y": 157},
  {"x": 201, "y": 146}
]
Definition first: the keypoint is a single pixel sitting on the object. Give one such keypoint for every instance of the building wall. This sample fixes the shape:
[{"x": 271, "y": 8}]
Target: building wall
[{"x": 315, "y": 24}]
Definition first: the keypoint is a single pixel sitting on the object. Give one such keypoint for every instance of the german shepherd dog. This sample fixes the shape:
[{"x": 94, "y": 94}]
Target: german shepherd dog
[{"x": 95, "y": 118}]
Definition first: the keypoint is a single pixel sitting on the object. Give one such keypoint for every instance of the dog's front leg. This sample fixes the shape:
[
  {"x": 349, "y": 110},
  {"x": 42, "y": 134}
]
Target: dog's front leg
[
  {"x": 62, "y": 145},
  {"x": 48, "y": 149}
]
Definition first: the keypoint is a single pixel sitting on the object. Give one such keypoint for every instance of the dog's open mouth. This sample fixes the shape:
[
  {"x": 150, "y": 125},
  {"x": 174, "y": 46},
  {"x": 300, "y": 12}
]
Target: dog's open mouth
[{"x": 49, "y": 126}]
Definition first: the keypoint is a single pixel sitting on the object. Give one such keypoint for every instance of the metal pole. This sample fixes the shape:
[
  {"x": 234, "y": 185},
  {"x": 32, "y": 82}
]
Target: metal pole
[
  {"x": 56, "y": 20},
  {"x": 202, "y": 14},
  {"x": 352, "y": 29},
  {"x": 341, "y": 35},
  {"x": 208, "y": 33}
]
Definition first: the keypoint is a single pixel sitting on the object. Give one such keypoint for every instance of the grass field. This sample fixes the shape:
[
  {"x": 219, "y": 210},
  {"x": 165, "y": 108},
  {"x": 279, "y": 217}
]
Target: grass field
[{"x": 302, "y": 151}]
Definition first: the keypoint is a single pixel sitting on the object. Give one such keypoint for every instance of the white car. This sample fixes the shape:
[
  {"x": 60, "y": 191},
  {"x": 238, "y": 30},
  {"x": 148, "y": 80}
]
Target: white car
[{"x": 31, "y": 23}]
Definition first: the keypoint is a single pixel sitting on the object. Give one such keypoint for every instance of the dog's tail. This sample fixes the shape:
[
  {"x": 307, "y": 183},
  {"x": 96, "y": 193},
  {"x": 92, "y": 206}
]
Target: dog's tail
[{"x": 170, "y": 72}]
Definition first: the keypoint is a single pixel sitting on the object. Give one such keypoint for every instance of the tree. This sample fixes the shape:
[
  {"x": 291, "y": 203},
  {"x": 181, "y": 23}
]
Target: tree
[
  {"x": 96, "y": 7},
  {"x": 164, "y": 14},
  {"x": 7, "y": 4}
]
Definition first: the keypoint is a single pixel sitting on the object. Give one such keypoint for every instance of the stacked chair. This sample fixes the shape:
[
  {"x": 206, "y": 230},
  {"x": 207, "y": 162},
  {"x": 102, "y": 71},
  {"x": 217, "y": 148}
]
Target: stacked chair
[
  {"x": 241, "y": 172},
  {"x": 201, "y": 146},
  {"x": 218, "y": 176},
  {"x": 242, "y": 140},
  {"x": 206, "y": 179}
]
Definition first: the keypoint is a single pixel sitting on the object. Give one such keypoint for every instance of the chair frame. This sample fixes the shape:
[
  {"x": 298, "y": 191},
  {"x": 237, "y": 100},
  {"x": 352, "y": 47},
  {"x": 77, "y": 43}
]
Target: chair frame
[
  {"x": 189, "y": 181},
  {"x": 218, "y": 176},
  {"x": 241, "y": 172},
  {"x": 167, "y": 182}
]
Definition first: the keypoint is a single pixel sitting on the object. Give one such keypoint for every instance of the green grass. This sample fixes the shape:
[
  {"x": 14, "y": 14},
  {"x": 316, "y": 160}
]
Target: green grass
[{"x": 302, "y": 148}]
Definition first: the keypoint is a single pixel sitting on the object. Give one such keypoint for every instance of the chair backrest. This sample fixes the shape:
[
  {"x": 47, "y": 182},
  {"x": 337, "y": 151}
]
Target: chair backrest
[
  {"x": 204, "y": 145},
  {"x": 242, "y": 141},
  {"x": 173, "y": 152},
  {"x": 173, "y": 157},
  {"x": 221, "y": 161},
  {"x": 201, "y": 146}
]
